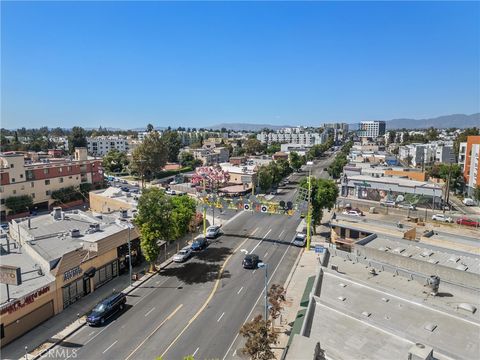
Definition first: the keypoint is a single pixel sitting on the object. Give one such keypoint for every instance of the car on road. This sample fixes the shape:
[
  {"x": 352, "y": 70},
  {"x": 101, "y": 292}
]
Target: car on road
[
  {"x": 199, "y": 243},
  {"x": 274, "y": 192},
  {"x": 125, "y": 188},
  {"x": 388, "y": 203},
  {"x": 106, "y": 308},
  {"x": 300, "y": 240},
  {"x": 183, "y": 254},
  {"x": 353, "y": 212},
  {"x": 250, "y": 261},
  {"x": 468, "y": 202},
  {"x": 213, "y": 231},
  {"x": 174, "y": 192},
  {"x": 442, "y": 218},
  {"x": 468, "y": 222}
]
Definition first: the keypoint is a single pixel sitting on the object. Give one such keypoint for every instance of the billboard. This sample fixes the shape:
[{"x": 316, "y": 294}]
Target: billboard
[{"x": 10, "y": 275}]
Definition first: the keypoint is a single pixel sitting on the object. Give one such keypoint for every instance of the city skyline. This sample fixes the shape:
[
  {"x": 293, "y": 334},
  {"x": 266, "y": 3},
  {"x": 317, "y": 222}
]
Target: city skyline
[{"x": 123, "y": 65}]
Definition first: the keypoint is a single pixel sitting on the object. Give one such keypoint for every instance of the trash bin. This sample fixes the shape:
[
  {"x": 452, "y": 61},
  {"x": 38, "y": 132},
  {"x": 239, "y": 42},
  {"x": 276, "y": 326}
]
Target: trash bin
[{"x": 372, "y": 210}]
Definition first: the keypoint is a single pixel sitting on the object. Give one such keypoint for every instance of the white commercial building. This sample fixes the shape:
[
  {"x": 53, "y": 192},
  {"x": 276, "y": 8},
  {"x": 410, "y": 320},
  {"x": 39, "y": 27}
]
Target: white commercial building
[{"x": 293, "y": 136}]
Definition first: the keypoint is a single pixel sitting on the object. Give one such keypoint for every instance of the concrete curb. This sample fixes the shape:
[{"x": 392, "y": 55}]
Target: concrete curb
[{"x": 79, "y": 326}]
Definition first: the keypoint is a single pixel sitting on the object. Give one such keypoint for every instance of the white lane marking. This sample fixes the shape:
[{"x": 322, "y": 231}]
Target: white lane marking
[
  {"x": 104, "y": 351},
  {"x": 259, "y": 297},
  {"x": 254, "y": 231},
  {"x": 239, "y": 291},
  {"x": 149, "y": 311},
  {"x": 93, "y": 337},
  {"x": 268, "y": 232},
  {"x": 279, "y": 236},
  {"x": 93, "y": 332},
  {"x": 220, "y": 318},
  {"x": 254, "y": 271},
  {"x": 266, "y": 254},
  {"x": 235, "y": 352},
  {"x": 195, "y": 352}
]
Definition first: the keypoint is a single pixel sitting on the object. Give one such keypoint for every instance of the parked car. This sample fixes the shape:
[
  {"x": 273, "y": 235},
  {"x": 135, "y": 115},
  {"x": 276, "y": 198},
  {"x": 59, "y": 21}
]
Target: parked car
[
  {"x": 199, "y": 243},
  {"x": 174, "y": 192},
  {"x": 300, "y": 240},
  {"x": 274, "y": 192},
  {"x": 353, "y": 213},
  {"x": 468, "y": 202},
  {"x": 106, "y": 308},
  {"x": 125, "y": 188},
  {"x": 468, "y": 222},
  {"x": 442, "y": 218},
  {"x": 183, "y": 254},
  {"x": 388, "y": 203},
  {"x": 250, "y": 261},
  {"x": 213, "y": 231}
]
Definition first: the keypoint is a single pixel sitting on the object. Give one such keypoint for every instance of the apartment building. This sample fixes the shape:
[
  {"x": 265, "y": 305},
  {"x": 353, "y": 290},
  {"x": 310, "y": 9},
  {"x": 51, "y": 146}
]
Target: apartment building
[
  {"x": 462, "y": 154},
  {"x": 428, "y": 154},
  {"x": 339, "y": 130},
  {"x": 372, "y": 129},
  {"x": 211, "y": 156},
  {"x": 471, "y": 169},
  {"x": 293, "y": 136},
  {"x": 101, "y": 145},
  {"x": 39, "y": 180}
]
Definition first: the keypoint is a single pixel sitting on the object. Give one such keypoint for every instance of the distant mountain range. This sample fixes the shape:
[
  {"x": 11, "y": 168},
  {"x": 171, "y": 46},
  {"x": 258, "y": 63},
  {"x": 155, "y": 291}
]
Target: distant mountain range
[{"x": 448, "y": 121}]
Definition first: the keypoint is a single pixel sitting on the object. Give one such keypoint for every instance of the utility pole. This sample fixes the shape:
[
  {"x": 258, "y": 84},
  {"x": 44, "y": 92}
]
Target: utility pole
[
  {"x": 447, "y": 193},
  {"x": 309, "y": 210}
]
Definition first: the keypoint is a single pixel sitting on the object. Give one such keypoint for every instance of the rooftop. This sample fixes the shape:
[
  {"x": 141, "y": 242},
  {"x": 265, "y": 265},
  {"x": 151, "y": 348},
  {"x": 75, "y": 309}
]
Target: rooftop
[
  {"x": 51, "y": 238},
  {"x": 397, "y": 181},
  {"x": 33, "y": 276}
]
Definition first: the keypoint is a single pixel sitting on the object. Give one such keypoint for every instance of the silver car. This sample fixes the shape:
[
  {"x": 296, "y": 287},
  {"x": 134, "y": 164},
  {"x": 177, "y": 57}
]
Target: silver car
[
  {"x": 442, "y": 218},
  {"x": 300, "y": 240},
  {"x": 183, "y": 254},
  {"x": 213, "y": 231}
]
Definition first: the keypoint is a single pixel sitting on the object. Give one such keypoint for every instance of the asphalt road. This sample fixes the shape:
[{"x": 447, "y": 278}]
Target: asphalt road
[{"x": 199, "y": 306}]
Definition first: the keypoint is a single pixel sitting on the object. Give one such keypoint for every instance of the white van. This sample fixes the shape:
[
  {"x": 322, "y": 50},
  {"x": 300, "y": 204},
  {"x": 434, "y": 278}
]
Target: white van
[{"x": 468, "y": 202}]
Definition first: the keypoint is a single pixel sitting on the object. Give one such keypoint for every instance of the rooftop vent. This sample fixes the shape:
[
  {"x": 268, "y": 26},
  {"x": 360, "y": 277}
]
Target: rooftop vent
[
  {"x": 342, "y": 298},
  {"x": 385, "y": 299},
  {"x": 426, "y": 253},
  {"x": 420, "y": 352},
  {"x": 398, "y": 250},
  {"x": 433, "y": 282},
  {"x": 462, "y": 267},
  {"x": 123, "y": 214},
  {"x": 467, "y": 307},
  {"x": 454, "y": 259},
  {"x": 75, "y": 233},
  {"x": 342, "y": 285},
  {"x": 366, "y": 313},
  {"x": 430, "y": 326}
]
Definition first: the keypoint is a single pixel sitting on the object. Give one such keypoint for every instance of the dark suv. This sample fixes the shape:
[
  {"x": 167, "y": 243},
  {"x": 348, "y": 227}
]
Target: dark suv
[
  {"x": 250, "y": 261},
  {"x": 106, "y": 308}
]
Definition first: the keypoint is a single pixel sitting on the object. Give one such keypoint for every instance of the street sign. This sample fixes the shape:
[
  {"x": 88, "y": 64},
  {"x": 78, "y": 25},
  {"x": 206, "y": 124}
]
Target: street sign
[
  {"x": 264, "y": 208},
  {"x": 319, "y": 249},
  {"x": 246, "y": 207}
]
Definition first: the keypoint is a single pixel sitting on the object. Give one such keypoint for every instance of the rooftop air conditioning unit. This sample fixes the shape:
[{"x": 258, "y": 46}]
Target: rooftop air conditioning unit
[
  {"x": 57, "y": 213},
  {"x": 123, "y": 214},
  {"x": 75, "y": 233},
  {"x": 93, "y": 228}
]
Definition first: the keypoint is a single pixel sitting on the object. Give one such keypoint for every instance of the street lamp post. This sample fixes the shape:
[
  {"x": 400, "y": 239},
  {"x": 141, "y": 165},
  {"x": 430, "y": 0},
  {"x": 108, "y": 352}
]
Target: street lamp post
[{"x": 265, "y": 266}]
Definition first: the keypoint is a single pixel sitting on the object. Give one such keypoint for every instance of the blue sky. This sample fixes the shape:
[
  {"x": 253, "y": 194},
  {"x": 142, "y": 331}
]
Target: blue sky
[{"x": 126, "y": 64}]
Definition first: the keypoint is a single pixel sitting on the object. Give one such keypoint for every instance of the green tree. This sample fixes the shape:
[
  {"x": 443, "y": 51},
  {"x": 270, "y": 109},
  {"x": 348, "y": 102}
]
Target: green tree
[
  {"x": 265, "y": 178},
  {"x": 183, "y": 212},
  {"x": 392, "y": 135},
  {"x": 19, "y": 204},
  {"x": 253, "y": 146},
  {"x": 273, "y": 148},
  {"x": 154, "y": 222},
  {"x": 187, "y": 159},
  {"x": 476, "y": 193},
  {"x": 173, "y": 143},
  {"x": 432, "y": 134},
  {"x": 259, "y": 340},
  {"x": 323, "y": 196},
  {"x": 296, "y": 161},
  {"x": 115, "y": 161},
  {"x": 150, "y": 128},
  {"x": 77, "y": 138},
  {"x": 150, "y": 156}
]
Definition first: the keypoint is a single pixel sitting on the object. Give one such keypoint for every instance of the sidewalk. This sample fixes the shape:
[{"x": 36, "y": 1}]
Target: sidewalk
[{"x": 306, "y": 267}]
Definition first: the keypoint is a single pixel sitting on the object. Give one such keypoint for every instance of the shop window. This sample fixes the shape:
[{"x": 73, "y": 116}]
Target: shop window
[
  {"x": 47, "y": 182},
  {"x": 105, "y": 274}
]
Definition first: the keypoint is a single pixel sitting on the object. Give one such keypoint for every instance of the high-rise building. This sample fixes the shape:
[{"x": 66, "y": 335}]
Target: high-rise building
[{"x": 372, "y": 129}]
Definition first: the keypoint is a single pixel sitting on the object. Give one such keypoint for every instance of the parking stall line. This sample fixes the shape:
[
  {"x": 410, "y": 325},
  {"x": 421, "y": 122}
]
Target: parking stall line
[
  {"x": 239, "y": 291},
  {"x": 149, "y": 311},
  {"x": 104, "y": 351},
  {"x": 220, "y": 318}
]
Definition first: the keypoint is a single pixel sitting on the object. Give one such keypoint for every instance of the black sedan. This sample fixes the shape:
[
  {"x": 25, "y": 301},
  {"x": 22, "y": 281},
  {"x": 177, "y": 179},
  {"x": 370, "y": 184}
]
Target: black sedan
[{"x": 250, "y": 261}]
